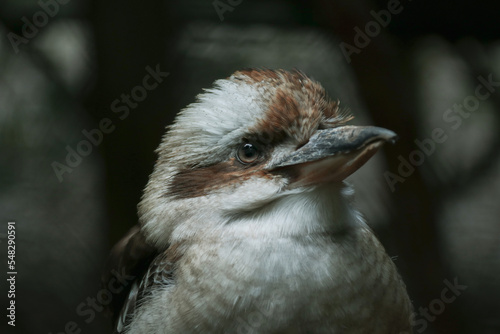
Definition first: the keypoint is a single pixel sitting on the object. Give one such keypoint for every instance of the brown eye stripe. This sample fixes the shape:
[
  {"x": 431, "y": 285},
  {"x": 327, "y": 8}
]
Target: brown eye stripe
[{"x": 195, "y": 182}]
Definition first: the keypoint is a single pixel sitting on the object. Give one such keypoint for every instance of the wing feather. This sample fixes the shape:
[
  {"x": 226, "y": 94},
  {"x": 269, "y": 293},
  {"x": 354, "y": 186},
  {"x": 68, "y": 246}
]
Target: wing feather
[{"x": 135, "y": 257}]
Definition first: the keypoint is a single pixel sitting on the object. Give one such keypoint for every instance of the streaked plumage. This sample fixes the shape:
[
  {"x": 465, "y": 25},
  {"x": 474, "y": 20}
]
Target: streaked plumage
[{"x": 272, "y": 245}]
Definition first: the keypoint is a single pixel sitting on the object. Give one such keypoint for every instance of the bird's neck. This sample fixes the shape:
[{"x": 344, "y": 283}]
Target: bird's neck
[{"x": 324, "y": 209}]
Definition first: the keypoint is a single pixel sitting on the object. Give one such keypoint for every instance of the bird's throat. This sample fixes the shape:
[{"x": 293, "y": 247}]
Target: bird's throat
[{"x": 312, "y": 210}]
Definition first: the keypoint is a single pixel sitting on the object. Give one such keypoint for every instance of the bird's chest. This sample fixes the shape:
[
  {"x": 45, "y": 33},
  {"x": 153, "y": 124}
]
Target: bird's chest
[{"x": 311, "y": 285}]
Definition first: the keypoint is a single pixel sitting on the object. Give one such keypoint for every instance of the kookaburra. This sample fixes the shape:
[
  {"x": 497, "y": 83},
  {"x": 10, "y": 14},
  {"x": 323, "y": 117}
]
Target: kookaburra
[{"x": 247, "y": 226}]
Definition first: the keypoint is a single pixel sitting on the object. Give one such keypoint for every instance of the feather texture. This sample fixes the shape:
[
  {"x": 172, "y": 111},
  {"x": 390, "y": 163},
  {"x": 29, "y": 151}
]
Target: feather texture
[{"x": 229, "y": 247}]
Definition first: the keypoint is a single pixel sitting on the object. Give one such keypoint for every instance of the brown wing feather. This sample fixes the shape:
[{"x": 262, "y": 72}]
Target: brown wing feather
[
  {"x": 145, "y": 266},
  {"x": 130, "y": 258}
]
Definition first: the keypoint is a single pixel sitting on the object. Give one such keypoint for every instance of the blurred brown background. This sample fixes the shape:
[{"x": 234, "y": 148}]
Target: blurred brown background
[{"x": 421, "y": 67}]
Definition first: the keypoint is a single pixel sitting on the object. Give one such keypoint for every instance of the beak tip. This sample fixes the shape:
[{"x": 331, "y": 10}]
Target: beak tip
[
  {"x": 376, "y": 133},
  {"x": 391, "y": 137}
]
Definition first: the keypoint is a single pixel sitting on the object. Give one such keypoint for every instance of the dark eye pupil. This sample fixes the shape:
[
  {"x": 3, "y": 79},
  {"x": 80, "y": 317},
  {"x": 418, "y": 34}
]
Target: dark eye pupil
[
  {"x": 249, "y": 150},
  {"x": 247, "y": 153}
]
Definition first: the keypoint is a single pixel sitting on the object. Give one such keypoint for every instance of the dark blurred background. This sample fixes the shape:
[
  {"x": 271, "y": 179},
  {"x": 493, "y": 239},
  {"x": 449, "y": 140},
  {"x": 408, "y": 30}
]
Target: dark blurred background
[{"x": 421, "y": 69}]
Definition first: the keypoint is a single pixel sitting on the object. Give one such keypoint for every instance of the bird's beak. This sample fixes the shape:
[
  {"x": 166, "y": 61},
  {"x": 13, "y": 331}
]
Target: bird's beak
[{"x": 331, "y": 155}]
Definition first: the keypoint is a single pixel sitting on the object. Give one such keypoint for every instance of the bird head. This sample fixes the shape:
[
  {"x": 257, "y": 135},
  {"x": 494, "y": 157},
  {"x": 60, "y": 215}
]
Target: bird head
[{"x": 257, "y": 138}]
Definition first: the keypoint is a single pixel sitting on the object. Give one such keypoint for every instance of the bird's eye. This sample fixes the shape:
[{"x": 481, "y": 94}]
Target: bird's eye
[{"x": 247, "y": 153}]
